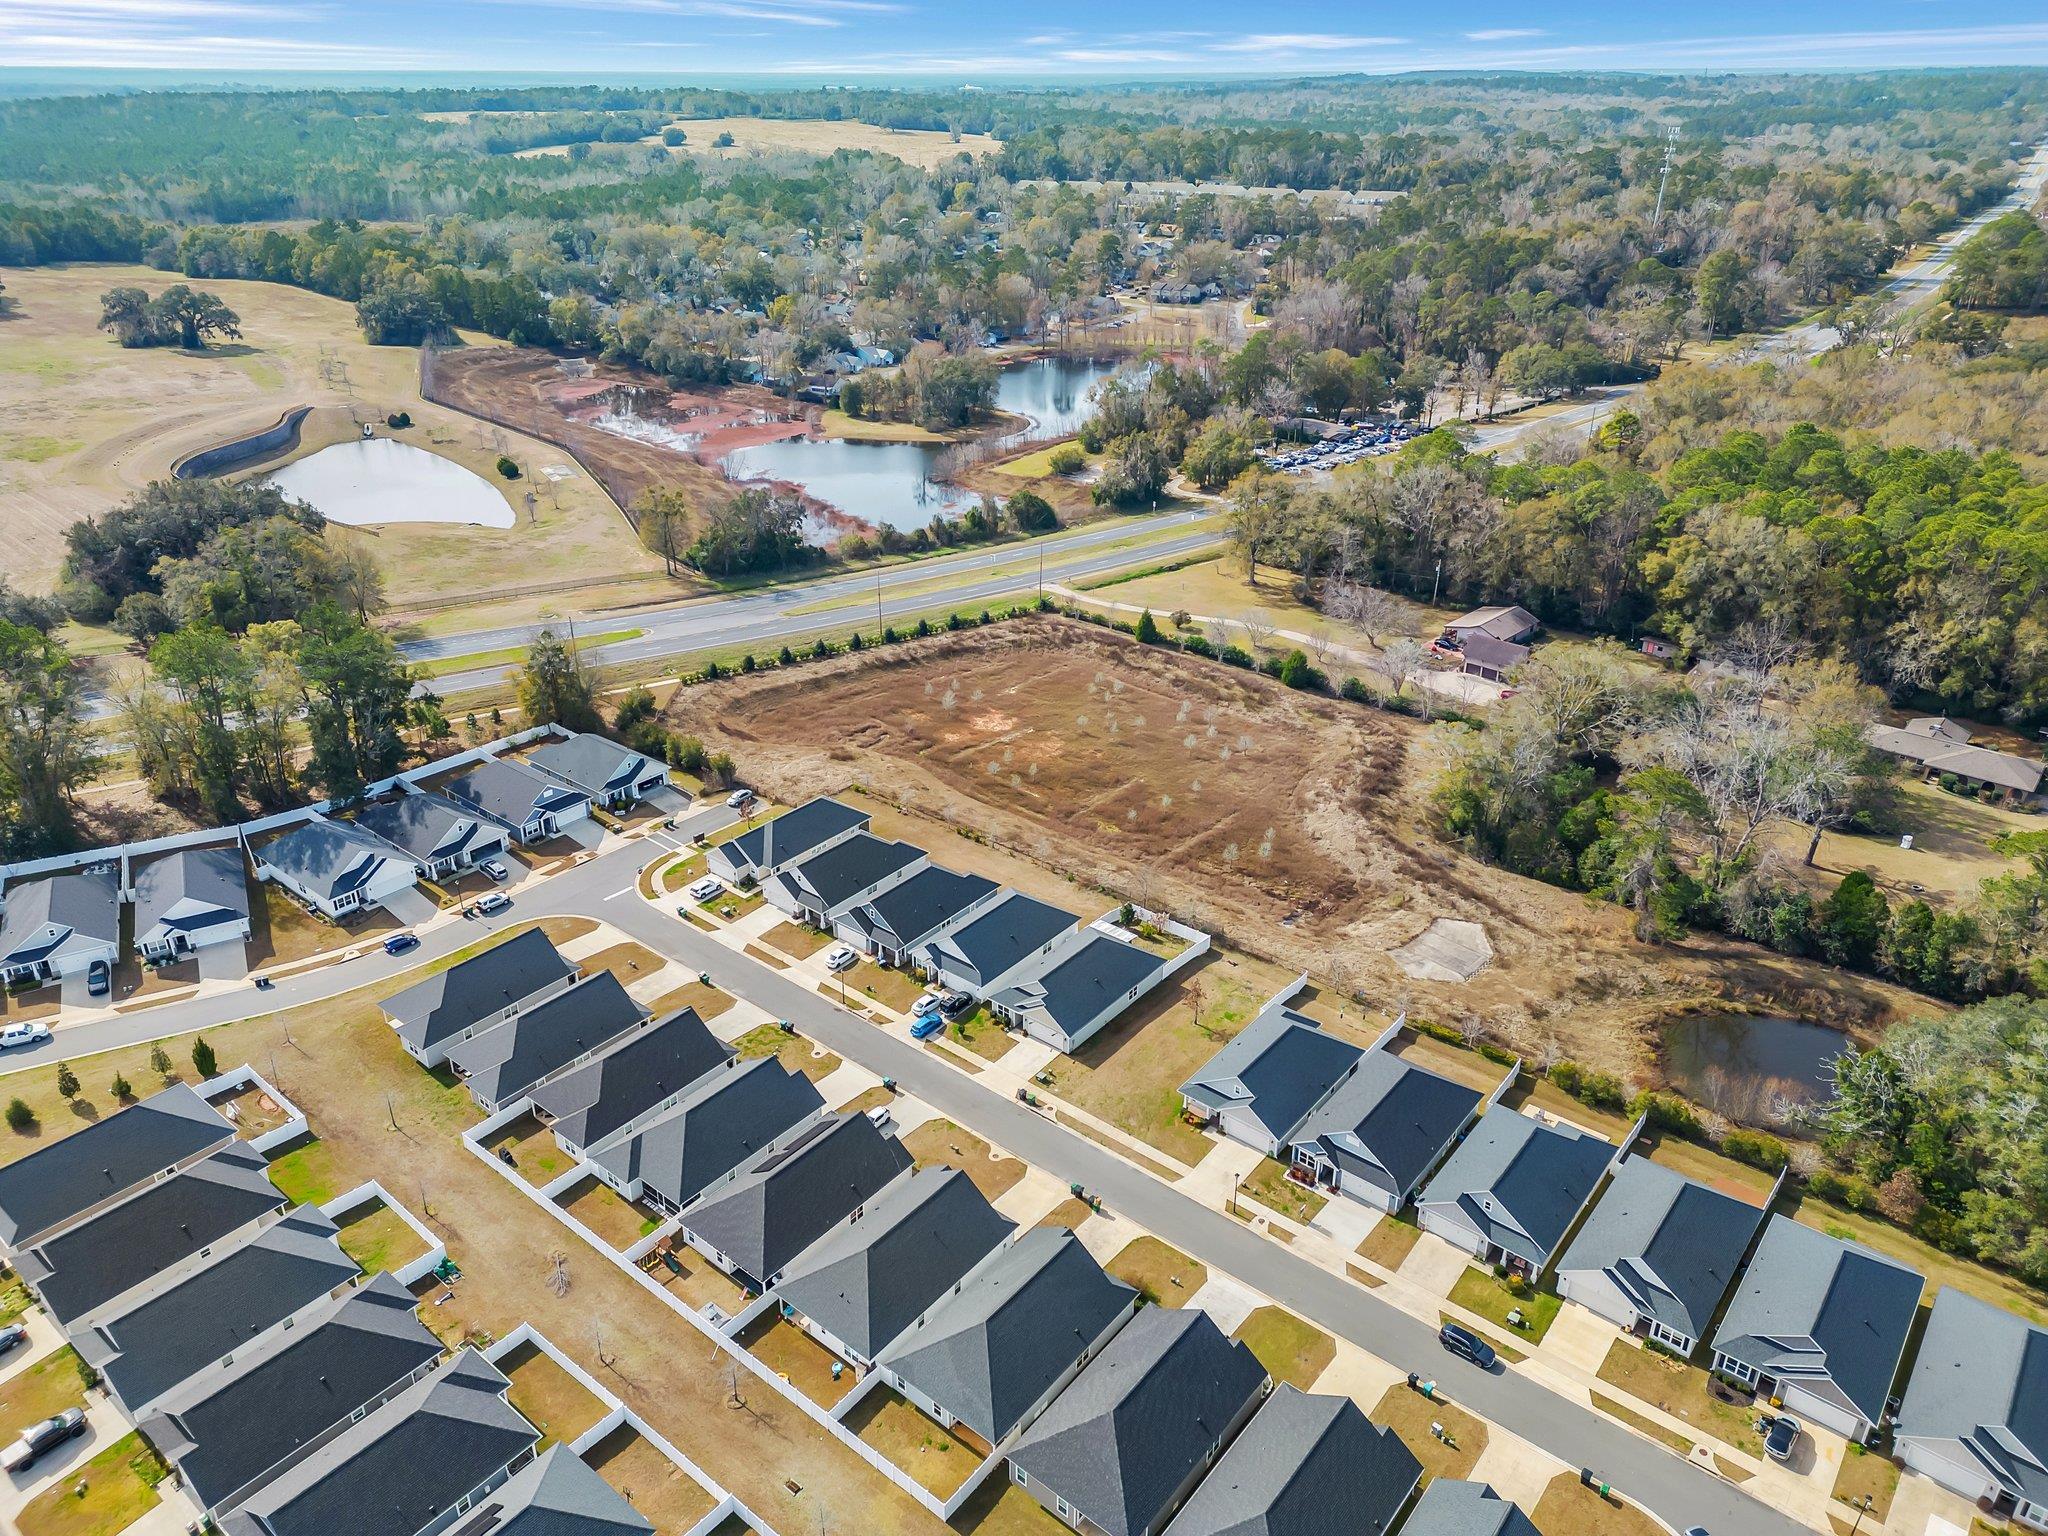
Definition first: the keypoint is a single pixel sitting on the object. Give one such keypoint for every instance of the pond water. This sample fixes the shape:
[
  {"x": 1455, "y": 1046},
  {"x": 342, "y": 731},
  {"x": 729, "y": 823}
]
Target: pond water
[
  {"x": 1740, "y": 1065},
  {"x": 890, "y": 484},
  {"x": 376, "y": 480}
]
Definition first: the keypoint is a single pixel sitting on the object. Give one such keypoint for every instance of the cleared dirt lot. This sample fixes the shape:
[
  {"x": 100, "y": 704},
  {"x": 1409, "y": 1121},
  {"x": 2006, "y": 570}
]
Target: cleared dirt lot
[
  {"x": 921, "y": 147},
  {"x": 1293, "y": 826}
]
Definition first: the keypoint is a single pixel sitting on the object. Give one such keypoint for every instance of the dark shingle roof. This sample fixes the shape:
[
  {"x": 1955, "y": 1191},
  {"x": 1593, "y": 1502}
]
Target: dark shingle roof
[
  {"x": 161, "y": 1225},
  {"x": 450, "y": 1001},
  {"x": 1276, "y": 1069},
  {"x": 589, "y": 1102},
  {"x": 179, "y": 1328},
  {"x": 993, "y": 1348},
  {"x": 723, "y": 1122},
  {"x": 1012, "y": 930},
  {"x": 555, "y": 1495},
  {"x": 216, "y": 880},
  {"x": 106, "y": 1158},
  {"x": 403, "y": 1467},
  {"x": 794, "y": 833},
  {"x": 1813, "y": 1303},
  {"x": 329, "y": 858},
  {"x": 509, "y": 791},
  {"x": 229, "y": 1425},
  {"x": 847, "y": 868},
  {"x": 1450, "y": 1508},
  {"x": 590, "y": 762},
  {"x": 870, "y": 1278},
  {"x": 1981, "y": 1378},
  {"x": 1304, "y": 1466},
  {"x": 904, "y": 914},
  {"x": 1141, "y": 1416},
  {"x": 509, "y": 1058},
  {"x": 787, "y": 1198},
  {"x": 42, "y": 916},
  {"x": 1520, "y": 1183},
  {"x": 1389, "y": 1122},
  {"x": 1671, "y": 1245},
  {"x": 1070, "y": 993},
  {"x": 428, "y": 826}
]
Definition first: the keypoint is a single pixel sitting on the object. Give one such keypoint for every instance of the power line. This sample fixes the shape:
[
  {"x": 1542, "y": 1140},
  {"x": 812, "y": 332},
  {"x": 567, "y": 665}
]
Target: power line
[{"x": 1664, "y": 179}]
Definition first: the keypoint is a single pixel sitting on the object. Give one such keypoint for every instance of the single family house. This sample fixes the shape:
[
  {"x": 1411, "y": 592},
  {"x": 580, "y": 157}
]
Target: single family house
[
  {"x": 533, "y": 805},
  {"x": 60, "y": 925},
  {"x": 559, "y": 1494},
  {"x": 613, "y": 776},
  {"x": 1975, "y": 1418},
  {"x": 441, "y": 838},
  {"x": 189, "y": 899},
  {"x": 335, "y": 867},
  {"x": 1382, "y": 1130},
  {"x": 996, "y": 944},
  {"x": 787, "y": 839},
  {"x": 1264, "y": 1082},
  {"x": 725, "y": 1119},
  {"x": 1512, "y": 1190},
  {"x": 508, "y": 1061},
  {"x": 1070, "y": 996},
  {"x": 931, "y": 903},
  {"x": 435, "y": 1015},
  {"x": 1452, "y": 1508},
  {"x": 828, "y": 883},
  {"x": 1504, "y": 622},
  {"x": 646, "y": 1072},
  {"x": 1940, "y": 748}
]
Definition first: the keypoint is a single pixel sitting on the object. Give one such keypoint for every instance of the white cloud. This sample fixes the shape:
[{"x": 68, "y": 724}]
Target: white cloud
[
  {"x": 1302, "y": 42},
  {"x": 1502, "y": 34}
]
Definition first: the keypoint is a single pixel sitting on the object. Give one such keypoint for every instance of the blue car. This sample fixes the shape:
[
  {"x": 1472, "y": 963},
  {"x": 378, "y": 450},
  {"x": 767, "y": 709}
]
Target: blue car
[
  {"x": 926, "y": 1025},
  {"x": 399, "y": 943}
]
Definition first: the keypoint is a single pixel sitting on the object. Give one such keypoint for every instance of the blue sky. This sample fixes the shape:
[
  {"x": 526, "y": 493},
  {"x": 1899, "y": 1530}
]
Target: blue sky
[{"x": 879, "y": 40}]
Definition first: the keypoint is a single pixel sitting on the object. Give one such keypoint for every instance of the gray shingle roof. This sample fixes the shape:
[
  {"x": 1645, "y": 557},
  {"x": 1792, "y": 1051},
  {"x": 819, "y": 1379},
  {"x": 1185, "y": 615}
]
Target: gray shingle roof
[
  {"x": 1304, "y": 1466},
  {"x": 1389, "y": 1122},
  {"x": 161, "y": 1225},
  {"x": 329, "y": 858},
  {"x": 1520, "y": 1183},
  {"x": 403, "y": 1467},
  {"x": 1451, "y": 1508},
  {"x": 1981, "y": 1379},
  {"x": 591, "y": 762},
  {"x": 509, "y": 1058},
  {"x": 509, "y": 791},
  {"x": 775, "y": 1207},
  {"x": 788, "y": 837},
  {"x": 905, "y": 914},
  {"x": 1276, "y": 1069},
  {"x": 1071, "y": 992},
  {"x": 993, "y": 1348},
  {"x": 723, "y": 1122},
  {"x": 231, "y": 1424},
  {"x": 1141, "y": 1416},
  {"x": 428, "y": 826},
  {"x": 555, "y": 1495},
  {"x": 1813, "y": 1304},
  {"x": 214, "y": 881},
  {"x": 589, "y": 1102},
  {"x": 1012, "y": 930},
  {"x": 450, "y": 1001},
  {"x": 181, "y": 1327},
  {"x": 104, "y": 1159},
  {"x": 46, "y": 916},
  {"x": 1671, "y": 1245},
  {"x": 872, "y": 1277},
  {"x": 829, "y": 879}
]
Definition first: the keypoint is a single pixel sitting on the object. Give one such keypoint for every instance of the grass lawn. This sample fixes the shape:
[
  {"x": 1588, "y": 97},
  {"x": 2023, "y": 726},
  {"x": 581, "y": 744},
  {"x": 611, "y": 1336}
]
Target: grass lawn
[
  {"x": 120, "y": 1488},
  {"x": 1292, "y": 1350},
  {"x": 629, "y": 962},
  {"x": 981, "y": 1034},
  {"x": 1867, "y": 1474},
  {"x": 939, "y": 1459},
  {"x": 797, "y": 1053},
  {"x": 796, "y": 940},
  {"x": 376, "y": 1238},
  {"x": 1069, "y": 1213},
  {"x": 14, "y": 1299},
  {"x": 1708, "y": 1167},
  {"x": 1569, "y": 1508},
  {"x": 1684, "y": 1391},
  {"x": 682, "y": 872},
  {"x": 1162, "y": 1274},
  {"x": 307, "y": 1174},
  {"x": 1478, "y": 1291},
  {"x": 892, "y": 989},
  {"x": 1616, "y": 1409},
  {"x": 536, "y": 1156},
  {"x": 1409, "y": 1414},
  {"x": 1269, "y": 1185},
  {"x": 662, "y": 1492},
  {"x": 1036, "y": 465},
  {"x": 1389, "y": 1244},
  {"x": 1939, "y": 1268},
  {"x": 730, "y": 904},
  {"x": 942, "y": 1144},
  {"x": 556, "y": 1403},
  {"x": 607, "y": 1213},
  {"x": 47, "y": 1388},
  {"x": 797, "y": 1358},
  {"x": 1000, "y": 1508}
]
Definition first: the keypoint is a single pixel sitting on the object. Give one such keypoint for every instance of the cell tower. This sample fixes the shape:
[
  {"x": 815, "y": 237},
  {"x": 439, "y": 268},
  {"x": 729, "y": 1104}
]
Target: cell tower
[{"x": 1664, "y": 179}]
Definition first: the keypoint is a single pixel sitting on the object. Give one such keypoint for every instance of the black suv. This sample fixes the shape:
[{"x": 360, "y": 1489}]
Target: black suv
[{"x": 1462, "y": 1341}]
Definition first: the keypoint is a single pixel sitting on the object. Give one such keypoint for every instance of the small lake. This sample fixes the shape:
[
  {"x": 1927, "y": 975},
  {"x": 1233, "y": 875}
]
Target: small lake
[
  {"x": 1739, "y": 1065},
  {"x": 376, "y": 480},
  {"x": 890, "y": 484}
]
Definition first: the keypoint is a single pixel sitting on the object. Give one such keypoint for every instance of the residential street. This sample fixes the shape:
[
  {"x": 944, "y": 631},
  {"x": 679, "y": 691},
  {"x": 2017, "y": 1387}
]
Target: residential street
[{"x": 604, "y": 887}]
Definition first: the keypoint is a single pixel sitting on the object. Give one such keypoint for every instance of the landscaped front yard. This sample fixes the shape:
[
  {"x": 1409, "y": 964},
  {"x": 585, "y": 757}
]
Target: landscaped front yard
[
  {"x": 45, "y": 1389},
  {"x": 106, "y": 1495},
  {"x": 979, "y": 1032},
  {"x": 892, "y": 989},
  {"x": 1493, "y": 1299},
  {"x": 1569, "y": 1508},
  {"x": 1290, "y": 1349},
  {"x": 1409, "y": 1414},
  {"x": 1868, "y": 1475},
  {"x": 1269, "y": 1185},
  {"x": 1389, "y": 1244},
  {"x": 796, "y": 1053},
  {"x": 1684, "y": 1391},
  {"x": 796, "y": 940}
]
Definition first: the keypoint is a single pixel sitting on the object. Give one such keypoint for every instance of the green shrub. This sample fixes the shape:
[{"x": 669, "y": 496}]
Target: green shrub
[
  {"x": 1197, "y": 645},
  {"x": 1236, "y": 656},
  {"x": 19, "y": 1116},
  {"x": 1666, "y": 1112},
  {"x": 507, "y": 467},
  {"x": 1759, "y": 1149},
  {"x": 203, "y": 1061},
  {"x": 67, "y": 1080},
  {"x": 121, "y": 1088},
  {"x": 1850, "y": 1191},
  {"x": 1067, "y": 459}
]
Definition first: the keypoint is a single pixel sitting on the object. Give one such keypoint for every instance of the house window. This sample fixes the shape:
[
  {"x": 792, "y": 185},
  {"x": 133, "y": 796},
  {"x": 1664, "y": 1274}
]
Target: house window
[
  {"x": 1063, "y": 1509},
  {"x": 1017, "y": 1475},
  {"x": 1735, "y": 1368}
]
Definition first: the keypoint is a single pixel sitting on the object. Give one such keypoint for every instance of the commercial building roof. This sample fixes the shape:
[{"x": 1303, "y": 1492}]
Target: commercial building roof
[
  {"x": 329, "y": 858},
  {"x": 190, "y": 890},
  {"x": 451, "y": 1001},
  {"x": 1003, "y": 936},
  {"x": 1276, "y": 1069},
  {"x": 45, "y": 917},
  {"x": 557, "y": 1494},
  {"x": 428, "y": 827},
  {"x": 1304, "y": 1466},
  {"x": 159, "y": 1226},
  {"x": 1140, "y": 1418},
  {"x": 1071, "y": 993},
  {"x": 771, "y": 1210},
  {"x": 622, "y": 1083},
  {"x": 1389, "y": 1122},
  {"x": 403, "y": 1467},
  {"x": 507, "y": 1059},
  {"x": 722, "y": 1122},
  {"x": 1813, "y": 1306},
  {"x": 183, "y": 1326},
  {"x": 104, "y": 1159},
  {"x": 787, "y": 838},
  {"x": 1451, "y": 1508},
  {"x": 1670, "y": 1245},
  {"x": 871, "y": 1277},
  {"x": 1521, "y": 1184},
  {"x": 988, "y": 1352},
  {"x": 906, "y": 914},
  {"x": 231, "y": 1424},
  {"x": 1981, "y": 1379}
]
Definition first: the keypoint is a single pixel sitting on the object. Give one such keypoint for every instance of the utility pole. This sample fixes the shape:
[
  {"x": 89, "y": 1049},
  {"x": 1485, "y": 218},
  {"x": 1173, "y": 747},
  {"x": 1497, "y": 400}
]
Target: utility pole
[
  {"x": 1664, "y": 179},
  {"x": 878, "y": 606}
]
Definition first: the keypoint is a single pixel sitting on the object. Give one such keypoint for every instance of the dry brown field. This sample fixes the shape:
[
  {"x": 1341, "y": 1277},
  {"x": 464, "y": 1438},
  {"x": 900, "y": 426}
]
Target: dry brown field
[{"x": 921, "y": 147}]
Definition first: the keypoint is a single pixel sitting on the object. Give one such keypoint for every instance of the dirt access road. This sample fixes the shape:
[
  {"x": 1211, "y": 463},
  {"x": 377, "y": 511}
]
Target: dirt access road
[{"x": 1294, "y": 826}]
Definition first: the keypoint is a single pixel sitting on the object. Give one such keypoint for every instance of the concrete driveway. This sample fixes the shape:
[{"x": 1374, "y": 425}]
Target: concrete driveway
[
  {"x": 411, "y": 906},
  {"x": 223, "y": 962},
  {"x": 72, "y": 990}
]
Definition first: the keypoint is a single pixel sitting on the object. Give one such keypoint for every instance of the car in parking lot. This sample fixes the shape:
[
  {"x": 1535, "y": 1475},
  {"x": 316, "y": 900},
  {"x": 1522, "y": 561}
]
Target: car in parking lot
[
  {"x": 495, "y": 870},
  {"x": 399, "y": 943},
  {"x": 493, "y": 901},
  {"x": 1462, "y": 1341},
  {"x": 38, "y": 1440},
  {"x": 23, "y": 1034},
  {"x": 925, "y": 1025},
  {"x": 840, "y": 957},
  {"x": 705, "y": 889},
  {"x": 99, "y": 979},
  {"x": 1781, "y": 1437}
]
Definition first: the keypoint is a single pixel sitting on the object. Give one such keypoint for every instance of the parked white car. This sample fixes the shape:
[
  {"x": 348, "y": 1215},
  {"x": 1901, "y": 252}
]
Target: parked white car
[
  {"x": 23, "y": 1034},
  {"x": 493, "y": 901},
  {"x": 841, "y": 957},
  {"x": 494, "y": 869},
  {"x": 706, "y": 888}
]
